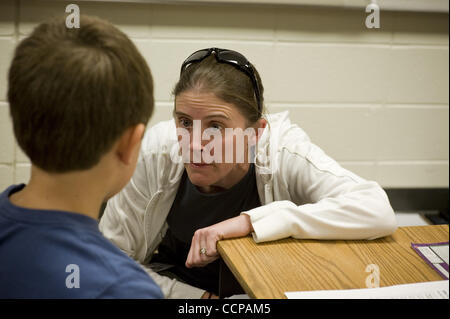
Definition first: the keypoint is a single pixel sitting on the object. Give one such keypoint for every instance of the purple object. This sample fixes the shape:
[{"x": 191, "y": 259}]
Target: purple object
[{"x": 432, "y": 258}]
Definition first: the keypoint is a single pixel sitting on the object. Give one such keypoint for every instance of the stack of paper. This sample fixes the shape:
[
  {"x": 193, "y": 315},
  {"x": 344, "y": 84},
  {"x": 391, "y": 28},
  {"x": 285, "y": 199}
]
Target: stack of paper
[{"x": 422, "y": 290}]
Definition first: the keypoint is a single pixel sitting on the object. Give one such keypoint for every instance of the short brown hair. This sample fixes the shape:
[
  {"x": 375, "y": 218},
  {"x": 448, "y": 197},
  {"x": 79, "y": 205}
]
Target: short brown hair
[
  {"x": 226, "y": 82},
  {"x": 73, "y": 92}
]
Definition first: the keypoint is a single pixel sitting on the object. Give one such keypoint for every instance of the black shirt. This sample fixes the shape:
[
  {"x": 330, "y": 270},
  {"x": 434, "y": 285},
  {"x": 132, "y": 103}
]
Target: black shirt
[{"x": 194, "y": 210}]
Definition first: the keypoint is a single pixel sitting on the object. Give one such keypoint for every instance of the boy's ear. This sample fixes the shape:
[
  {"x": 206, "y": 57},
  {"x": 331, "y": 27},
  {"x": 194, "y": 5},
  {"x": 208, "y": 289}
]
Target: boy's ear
[{"x": 129, "y": 143}]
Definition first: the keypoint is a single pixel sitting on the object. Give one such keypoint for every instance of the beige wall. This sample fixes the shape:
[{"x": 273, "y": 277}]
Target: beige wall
[{"x": 375, "y": 100}]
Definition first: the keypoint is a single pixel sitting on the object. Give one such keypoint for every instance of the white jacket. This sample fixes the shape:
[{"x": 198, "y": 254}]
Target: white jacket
[{"x": 304, "y": 193}]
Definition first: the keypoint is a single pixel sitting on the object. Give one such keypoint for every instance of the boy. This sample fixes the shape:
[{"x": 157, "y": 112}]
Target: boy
[{"x": 79, "y": 101}]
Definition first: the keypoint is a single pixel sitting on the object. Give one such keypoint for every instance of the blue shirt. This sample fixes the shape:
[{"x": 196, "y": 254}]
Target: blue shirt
[{"x": 57, "y": 254}]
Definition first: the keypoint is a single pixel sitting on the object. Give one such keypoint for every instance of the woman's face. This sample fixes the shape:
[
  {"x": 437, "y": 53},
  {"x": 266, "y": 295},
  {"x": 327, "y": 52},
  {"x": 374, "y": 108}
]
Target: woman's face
[{"x": 214, "y": 115}]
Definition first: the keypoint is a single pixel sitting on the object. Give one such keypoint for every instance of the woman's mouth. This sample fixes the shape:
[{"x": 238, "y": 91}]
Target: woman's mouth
[{"x": 199, "y": 165}]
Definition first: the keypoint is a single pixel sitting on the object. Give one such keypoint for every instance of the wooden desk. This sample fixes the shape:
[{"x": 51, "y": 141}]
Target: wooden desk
[{"x": 268, "y": 270}]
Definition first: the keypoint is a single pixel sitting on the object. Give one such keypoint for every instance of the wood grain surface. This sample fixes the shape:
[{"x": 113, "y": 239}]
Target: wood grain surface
[{"x": 268, "y": 270}]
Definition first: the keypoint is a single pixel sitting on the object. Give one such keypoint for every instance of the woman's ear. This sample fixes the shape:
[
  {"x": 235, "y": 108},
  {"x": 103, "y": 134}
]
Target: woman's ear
[
  {"x": 129, "y": 144},
  {"x": 259, "y": 128}
]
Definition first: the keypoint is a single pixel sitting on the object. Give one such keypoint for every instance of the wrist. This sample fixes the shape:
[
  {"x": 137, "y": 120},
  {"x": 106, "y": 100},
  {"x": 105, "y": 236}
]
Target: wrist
[
  {"x": 206, "y": 295},
  {"x": 247, "y": 222}
]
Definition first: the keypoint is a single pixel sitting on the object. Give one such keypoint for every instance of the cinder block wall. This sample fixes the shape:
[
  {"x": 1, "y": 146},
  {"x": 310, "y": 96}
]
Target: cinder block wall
[{"x": 375, "y": 100}]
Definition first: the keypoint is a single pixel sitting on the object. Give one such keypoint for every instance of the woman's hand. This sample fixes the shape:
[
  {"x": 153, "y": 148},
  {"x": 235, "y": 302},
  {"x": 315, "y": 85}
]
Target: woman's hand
[
  {"x": 203, "y": 246},
  {"x": 209, "y": 295}
]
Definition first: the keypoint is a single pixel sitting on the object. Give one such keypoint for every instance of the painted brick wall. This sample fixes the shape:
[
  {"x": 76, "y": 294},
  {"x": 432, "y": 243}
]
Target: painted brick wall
[{"x": 377, "y": 101}]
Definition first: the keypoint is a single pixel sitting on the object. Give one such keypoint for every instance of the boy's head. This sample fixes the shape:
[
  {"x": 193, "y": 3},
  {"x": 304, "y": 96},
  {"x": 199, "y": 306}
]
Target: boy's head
[{"x": 78, "y": 94}]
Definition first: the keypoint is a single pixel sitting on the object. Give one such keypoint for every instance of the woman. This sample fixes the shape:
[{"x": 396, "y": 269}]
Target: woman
[{"x": 172, "y": 213}]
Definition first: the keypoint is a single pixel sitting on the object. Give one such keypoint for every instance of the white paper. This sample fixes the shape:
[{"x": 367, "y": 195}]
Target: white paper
[
  {"x": 441, "y": 251},
  {"x": 423, "y": 290},
  {"x": 430, "y": 255}
]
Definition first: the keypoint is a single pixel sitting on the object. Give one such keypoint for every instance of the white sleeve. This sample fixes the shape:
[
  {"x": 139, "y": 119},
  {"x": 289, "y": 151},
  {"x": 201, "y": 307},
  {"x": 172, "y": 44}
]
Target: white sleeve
[
  {"x": 172, "y": 288},
  {"x": 327, "y": 202}
]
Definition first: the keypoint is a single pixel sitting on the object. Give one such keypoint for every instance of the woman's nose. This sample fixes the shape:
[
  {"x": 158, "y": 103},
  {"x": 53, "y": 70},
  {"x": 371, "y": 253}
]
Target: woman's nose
[{"x": 196, "y": 146}]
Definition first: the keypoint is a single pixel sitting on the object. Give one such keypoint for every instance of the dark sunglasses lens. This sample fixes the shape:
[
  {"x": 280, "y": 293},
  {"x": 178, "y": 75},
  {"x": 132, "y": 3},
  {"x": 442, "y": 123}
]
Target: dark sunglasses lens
[
  {"x": 195, "y": 57},
  {"x": 233, "y": 57}
]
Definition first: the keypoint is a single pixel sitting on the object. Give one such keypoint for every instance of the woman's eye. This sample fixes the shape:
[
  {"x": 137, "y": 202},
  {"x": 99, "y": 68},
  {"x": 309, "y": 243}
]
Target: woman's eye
[
  {"x": 216, "y": 126},
  {"x": 185, "y": 122}
]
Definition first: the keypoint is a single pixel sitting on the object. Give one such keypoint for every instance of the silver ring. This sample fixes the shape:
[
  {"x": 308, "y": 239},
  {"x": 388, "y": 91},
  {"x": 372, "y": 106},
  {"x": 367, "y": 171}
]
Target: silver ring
[{"x": 203, "y": 251}]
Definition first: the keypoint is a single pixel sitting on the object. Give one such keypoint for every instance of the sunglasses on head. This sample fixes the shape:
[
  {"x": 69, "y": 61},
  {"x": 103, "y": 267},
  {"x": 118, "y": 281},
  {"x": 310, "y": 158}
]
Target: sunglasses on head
[{"x": 229, "y": 57}]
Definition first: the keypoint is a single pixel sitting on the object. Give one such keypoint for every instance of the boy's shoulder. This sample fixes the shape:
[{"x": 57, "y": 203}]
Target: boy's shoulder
[{"x": 52, "y": 254}]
